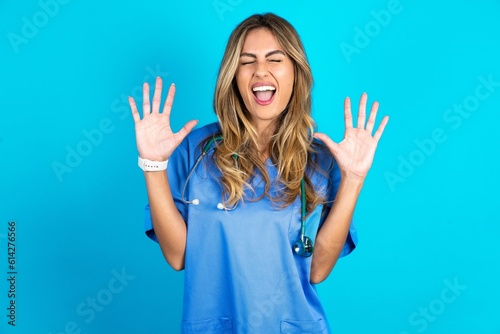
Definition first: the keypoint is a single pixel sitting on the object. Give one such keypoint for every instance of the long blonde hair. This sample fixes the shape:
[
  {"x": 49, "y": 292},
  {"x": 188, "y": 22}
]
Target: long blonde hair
[{"x": 290, "y": 148}]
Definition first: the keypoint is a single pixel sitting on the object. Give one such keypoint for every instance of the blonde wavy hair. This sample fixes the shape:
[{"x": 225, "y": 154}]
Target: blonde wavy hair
[{"x": 290, "y": 148}]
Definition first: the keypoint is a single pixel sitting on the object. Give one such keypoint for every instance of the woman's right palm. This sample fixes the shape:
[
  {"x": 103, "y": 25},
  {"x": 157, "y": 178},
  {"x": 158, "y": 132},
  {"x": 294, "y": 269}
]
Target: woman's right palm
[{"x": 155, "y": 139}]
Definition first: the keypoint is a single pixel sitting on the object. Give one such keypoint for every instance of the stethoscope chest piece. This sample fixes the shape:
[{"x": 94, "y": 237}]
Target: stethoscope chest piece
[{"x": 303, "y": 246}]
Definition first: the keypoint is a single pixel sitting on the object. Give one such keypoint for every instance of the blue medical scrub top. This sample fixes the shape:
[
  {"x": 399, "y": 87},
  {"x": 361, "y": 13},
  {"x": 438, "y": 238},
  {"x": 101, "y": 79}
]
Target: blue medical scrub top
[{"x": 241, "y": 275}]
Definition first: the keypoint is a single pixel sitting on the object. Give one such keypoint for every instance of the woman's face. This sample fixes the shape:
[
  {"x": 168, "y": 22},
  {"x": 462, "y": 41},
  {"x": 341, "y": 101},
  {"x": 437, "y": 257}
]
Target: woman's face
[{"x": 265, "y": 77}]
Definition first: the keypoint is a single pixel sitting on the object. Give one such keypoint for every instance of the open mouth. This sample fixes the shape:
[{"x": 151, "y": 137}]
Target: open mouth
[{"x": 264, "y": 94}]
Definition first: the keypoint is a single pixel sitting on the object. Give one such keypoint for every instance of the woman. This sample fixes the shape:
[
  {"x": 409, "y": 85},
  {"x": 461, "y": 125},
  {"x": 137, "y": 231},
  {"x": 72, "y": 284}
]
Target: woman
[{"x": 233, "y": 220}]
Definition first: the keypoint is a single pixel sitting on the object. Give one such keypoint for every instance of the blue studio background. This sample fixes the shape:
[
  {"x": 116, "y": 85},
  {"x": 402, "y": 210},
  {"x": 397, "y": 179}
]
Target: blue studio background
[{"x": 428, "y": 218}]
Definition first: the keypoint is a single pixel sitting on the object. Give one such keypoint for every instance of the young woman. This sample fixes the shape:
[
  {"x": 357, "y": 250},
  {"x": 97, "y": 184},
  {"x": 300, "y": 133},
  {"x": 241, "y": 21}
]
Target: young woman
[{"x": 246, "y": 201}]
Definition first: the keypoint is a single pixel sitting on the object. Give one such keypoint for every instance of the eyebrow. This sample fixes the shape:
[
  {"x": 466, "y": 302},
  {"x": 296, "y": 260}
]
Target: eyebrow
[{"x": 246, "y": 54}]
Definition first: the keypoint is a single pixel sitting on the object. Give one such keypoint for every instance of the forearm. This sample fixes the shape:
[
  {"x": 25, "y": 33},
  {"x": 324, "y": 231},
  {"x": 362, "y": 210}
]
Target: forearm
[
  {"x": 168, "y": 224},
  {"x": 333, "y": 233}
]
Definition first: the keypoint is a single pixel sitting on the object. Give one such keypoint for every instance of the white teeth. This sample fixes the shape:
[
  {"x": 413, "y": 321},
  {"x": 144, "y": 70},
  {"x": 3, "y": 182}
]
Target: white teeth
[{"x": 263, "y": 88}]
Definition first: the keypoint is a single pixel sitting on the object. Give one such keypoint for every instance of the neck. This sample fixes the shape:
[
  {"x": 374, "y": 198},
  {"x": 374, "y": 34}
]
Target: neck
[{"x": 265, "y": 131}]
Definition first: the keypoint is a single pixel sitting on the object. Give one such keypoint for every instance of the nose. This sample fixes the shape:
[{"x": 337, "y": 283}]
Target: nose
[{"x": 261, "y": 69}]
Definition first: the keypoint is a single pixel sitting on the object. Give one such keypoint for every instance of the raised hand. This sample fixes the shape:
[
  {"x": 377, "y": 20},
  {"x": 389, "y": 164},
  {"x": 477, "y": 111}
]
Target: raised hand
[
  {"x": 354, "y": 154},
  {"x": 155, "y": 139}
]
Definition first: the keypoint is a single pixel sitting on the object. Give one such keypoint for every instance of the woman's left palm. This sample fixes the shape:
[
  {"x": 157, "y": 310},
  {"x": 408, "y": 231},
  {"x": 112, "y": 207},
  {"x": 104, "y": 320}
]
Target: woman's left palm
[{"x": 354, "y": 154}]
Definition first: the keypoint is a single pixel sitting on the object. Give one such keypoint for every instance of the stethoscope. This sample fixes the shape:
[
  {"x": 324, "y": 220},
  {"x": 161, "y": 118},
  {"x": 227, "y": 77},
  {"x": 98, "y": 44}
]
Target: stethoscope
[{"x": 303, "y": 246}]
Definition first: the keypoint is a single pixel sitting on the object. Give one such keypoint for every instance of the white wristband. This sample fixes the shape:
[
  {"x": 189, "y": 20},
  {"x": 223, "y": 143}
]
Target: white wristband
[{"x": 152, "y": 166}]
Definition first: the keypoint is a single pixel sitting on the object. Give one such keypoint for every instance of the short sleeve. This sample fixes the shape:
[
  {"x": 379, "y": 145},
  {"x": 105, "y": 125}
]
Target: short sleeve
[
  {"x": 177, "y": 171},
  {"x": 331, "y": 193}
]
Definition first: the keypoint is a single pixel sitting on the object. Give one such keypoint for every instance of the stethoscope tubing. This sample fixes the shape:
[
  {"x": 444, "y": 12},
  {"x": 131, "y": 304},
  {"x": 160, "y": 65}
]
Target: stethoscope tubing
[{"x": 303, "y": 246}]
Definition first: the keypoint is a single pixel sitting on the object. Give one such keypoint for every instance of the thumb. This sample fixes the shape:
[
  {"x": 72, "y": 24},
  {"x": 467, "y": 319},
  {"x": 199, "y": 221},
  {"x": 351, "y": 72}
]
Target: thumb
[
  {"x": 332, "y": 146},
  {"x": 186, "y": 129}
]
